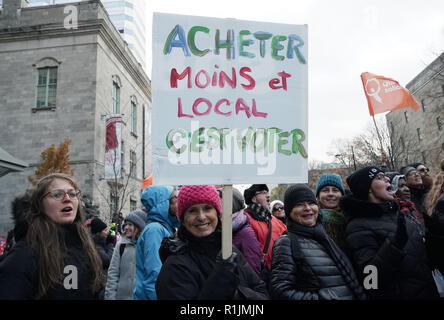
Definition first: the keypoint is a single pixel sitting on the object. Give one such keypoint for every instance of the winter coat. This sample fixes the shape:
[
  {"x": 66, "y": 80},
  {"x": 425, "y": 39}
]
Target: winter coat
[
  {"x": 308, "y": 265},
  {"x": 435, "y": 235},
  {"x": 245, "y": 240},
  {"x": 418, "y": 197},
  {"x": 121, "y": 278},
  {"x": 19, "y": 272},
  {"x": 261, "y": 230},
  {"x": 191, "y": 272},
  {"x": 160, "y": 225},
  {"x": 401, "y": 273},
  {"x": 105, "y": 250}
]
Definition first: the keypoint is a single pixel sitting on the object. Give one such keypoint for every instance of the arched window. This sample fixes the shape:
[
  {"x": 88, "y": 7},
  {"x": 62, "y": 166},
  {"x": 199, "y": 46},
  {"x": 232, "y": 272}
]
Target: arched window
[{"x": 46, "y": 82}]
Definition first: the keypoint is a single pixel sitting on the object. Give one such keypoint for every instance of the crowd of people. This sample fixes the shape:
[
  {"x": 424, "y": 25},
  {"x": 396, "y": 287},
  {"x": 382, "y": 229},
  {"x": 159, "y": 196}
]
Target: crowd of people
[{"x": 381, "y": 238}]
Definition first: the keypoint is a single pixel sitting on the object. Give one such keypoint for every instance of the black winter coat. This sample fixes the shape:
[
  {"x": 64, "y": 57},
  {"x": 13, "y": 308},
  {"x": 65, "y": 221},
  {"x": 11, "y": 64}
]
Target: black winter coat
[
  {"x": 435, "y": 235},
  {"x": 191, "y": 272},
  {"x": 308, "y": 265},
  {"x": 401, "y": 273},
  {"x": 19, "y": 272}
]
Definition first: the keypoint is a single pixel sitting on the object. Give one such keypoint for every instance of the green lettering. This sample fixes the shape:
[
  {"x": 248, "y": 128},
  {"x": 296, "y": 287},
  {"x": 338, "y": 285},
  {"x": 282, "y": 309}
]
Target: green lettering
[
  {"x": 170, "y": 142},
  {"x": 192, "y": 43},
  {"x": 271, "y": 138},
  {"x": 276, "y": 46},
  {"x": 243, "y": 43},
  {"x": 298, "y": 137},
  {"x": 283, "y": 141},
  {"x": 197, "y": 140}
]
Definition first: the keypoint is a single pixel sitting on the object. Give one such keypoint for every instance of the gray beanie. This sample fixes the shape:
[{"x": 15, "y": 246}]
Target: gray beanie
[
  {"x": 406, "y": 170},
  {"x": 136, "y": 218},
  {"x": 238, "y": 201}
]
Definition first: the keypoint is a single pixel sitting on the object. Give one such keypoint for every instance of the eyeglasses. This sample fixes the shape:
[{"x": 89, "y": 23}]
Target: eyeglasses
[
  {"x": 380, "y": 176},
  {"x": 59, "y": 194},
  {"x": 424, "y": 169},
  {"x": 265, "y": 192},
  {"x": 278, "y": 208}
]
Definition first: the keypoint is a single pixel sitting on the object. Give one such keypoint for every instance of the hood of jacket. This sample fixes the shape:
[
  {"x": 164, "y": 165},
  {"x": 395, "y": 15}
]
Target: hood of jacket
[
  {"x": 19, "y": 207},
  {"x": 156, "y": 200},
  {"x": 356, "y": 208}
]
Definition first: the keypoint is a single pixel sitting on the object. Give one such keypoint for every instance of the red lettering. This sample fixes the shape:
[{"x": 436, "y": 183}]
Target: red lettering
[
  {"x": 249, "y": 78},
  {"x": 197, "y": 102},
  {"x": 175, "y": 76},
  {"x": 216, "y": 107},
  {"x": 257, "y": 113},
  {"x": 241, "y": 105},
  {"x": 223, "y": 78},
  {"x": 179, "y": 110},
  {"x": 207, "y": 78}
]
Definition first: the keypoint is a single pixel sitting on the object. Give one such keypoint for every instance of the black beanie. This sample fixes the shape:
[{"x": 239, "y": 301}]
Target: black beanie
[
  {"x": 251, "y": 192},
  {"x": 360, "y": 181},
  {"x": 295, "y": 194},
  {"x": 97, "y": 226}
]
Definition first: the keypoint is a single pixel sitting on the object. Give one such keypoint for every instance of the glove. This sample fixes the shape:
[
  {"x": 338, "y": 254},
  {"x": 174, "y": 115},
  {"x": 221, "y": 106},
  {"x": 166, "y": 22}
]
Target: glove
[
  {"x": 401, "y": 237},
  {"x": 229, "y": 264}
]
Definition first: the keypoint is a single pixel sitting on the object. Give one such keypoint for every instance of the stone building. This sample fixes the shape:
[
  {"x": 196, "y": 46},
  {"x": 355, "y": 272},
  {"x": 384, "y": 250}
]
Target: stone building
[
  {"x": 419, "y": 136},
  {"x": 63, "y": 69}
]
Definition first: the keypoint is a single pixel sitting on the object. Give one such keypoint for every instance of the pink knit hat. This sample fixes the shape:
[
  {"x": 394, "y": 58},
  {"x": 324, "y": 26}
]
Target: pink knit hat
[{"x": 191, "y": 195}]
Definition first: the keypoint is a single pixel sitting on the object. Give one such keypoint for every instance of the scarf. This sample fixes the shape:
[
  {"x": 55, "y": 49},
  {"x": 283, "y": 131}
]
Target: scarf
[
  {"x": 259, "y": 213},
  {"x": 334, "y": 222},
  {"x": 407, "y": 205}
]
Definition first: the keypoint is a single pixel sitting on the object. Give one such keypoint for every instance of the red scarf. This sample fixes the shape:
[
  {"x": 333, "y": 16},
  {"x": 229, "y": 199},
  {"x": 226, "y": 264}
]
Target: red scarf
[{"x": 410, "y": 207}]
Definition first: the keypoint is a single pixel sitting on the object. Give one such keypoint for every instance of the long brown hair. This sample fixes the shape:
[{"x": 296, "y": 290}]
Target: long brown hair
[
  {"x": 45, "y": 240},
  {"x": 435, "y": 191}
]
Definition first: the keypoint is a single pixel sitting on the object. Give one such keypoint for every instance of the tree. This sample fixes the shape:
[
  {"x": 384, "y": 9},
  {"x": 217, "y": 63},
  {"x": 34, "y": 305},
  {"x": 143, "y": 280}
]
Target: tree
[
  {"x": 53, "y": 160},
  {"x": 365, "y": 148}
]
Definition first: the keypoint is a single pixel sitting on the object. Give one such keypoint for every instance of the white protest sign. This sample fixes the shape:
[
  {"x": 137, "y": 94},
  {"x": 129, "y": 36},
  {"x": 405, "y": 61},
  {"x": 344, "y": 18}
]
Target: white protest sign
[{"x": 229, "y": 101}]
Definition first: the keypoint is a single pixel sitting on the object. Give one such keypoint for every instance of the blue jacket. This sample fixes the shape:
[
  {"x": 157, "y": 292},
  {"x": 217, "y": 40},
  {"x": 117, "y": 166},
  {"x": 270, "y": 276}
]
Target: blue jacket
[{"x": 159, "y": 225}]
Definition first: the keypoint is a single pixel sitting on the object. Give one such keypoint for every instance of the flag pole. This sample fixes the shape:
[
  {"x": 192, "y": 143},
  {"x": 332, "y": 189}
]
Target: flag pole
[
  {"x": 227, "y": 222},
  {"x": 379, "y": 136}
]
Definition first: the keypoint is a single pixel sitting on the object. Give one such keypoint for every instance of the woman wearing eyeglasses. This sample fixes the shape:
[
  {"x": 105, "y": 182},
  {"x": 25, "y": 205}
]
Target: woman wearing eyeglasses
[
  {"x": 56, "y": 258},
  {"x": 387, "y": 246}
]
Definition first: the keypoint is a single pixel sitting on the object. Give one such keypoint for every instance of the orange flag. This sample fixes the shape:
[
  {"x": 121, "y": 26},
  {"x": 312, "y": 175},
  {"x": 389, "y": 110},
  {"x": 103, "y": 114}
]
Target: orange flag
[
  {"x": 147, "y": 182},
  {"x": 385, "y": 94}
]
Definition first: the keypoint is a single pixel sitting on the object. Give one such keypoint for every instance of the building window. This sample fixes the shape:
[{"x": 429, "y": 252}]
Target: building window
[
  {"x": 133, "y": 167},
  {"x": 423, "y": 105},
  {"x": 133, "y": 205},
  {"x": 406, "y": 116},
  {"x": 418, "y": 130},
  {"x": 438, "y": 122},
  {"x": 46, "y": 87},
  {"x": 133, "y": 117},
  {"x": 116, "y": 98}
]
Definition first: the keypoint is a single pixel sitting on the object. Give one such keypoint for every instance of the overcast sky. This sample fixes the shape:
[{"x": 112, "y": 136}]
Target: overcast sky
[{"x": 396, "y": 39}]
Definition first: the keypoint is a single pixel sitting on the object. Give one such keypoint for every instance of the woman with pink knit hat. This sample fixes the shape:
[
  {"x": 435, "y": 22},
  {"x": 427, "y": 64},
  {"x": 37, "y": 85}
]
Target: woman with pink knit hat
[{"x": 192, "y": 264}]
